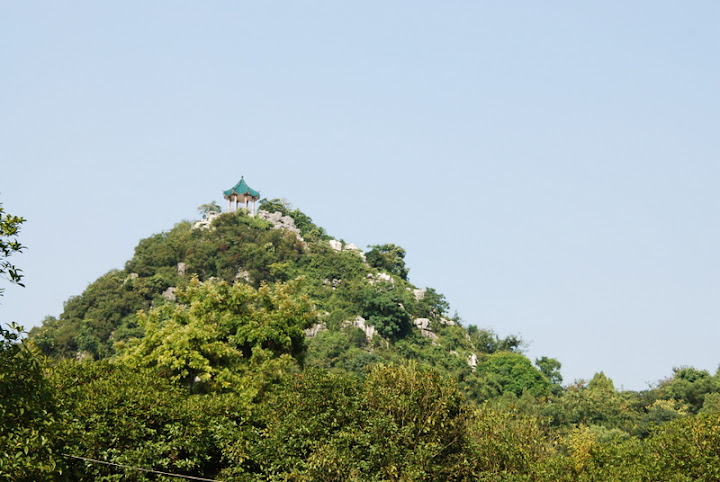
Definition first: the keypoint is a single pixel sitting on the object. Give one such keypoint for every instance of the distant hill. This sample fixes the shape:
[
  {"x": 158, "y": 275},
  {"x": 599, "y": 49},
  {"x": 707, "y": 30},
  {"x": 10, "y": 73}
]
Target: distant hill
[{"x": 367, "y": 309}]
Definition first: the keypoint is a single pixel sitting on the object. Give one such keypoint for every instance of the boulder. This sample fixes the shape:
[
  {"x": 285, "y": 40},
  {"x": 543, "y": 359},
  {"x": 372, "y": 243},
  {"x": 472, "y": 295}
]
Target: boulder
[
  {"x": 359, "y": 322},
  {"x": 422, "y": 323},
  {"x": 374, "y": 278},
  {"x": 169, "y": 294},
  {"x": 315, "y": 329},
  {"x": 243, "y": 274},
  {"x": 472, "y": 360},
  {"x": 279, "y": 221}
]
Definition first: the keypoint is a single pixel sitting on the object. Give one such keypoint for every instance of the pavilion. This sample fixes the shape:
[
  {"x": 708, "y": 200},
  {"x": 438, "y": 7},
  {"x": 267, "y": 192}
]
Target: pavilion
[{"x": 241, "y": 192}]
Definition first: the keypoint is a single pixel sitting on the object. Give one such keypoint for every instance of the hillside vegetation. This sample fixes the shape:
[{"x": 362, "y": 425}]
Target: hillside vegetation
[{"x": 250, "y": 348}]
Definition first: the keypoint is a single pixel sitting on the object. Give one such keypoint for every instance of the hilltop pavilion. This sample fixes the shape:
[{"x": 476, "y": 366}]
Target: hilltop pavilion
[{"x": 241, "y": 192}]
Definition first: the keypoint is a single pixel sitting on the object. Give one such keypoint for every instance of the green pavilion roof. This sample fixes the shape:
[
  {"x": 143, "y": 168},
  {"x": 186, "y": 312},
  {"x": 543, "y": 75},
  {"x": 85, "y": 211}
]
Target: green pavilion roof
[{"x": 241, "y": 188}]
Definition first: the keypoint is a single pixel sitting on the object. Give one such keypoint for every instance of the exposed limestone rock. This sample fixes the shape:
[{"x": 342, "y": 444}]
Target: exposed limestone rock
[
  {"x": 338, "y": 246},
  {"x": 169, "y": 294},
  {"x": 279, "y": 221},
  {"x": 83, "y": 355},
  {"x": 359, "y": 322},
  {"x": 243, "y": 275},
  {"x": 334, "y": 283},
  {"x": 352, "y": 247},
  {"x": 445, "y": 321},
  {"x": 374, "y": 278},
  {"x": 422, "y": 323},
  {"x": 472, "y": 360},
  {"x": 419, "y": 294},
  {"x": 425, "y": 329},
  {"x": 207, "y": 220},
  {"x": 181, "y": 269},
  {"x": 315, "y": 329}
]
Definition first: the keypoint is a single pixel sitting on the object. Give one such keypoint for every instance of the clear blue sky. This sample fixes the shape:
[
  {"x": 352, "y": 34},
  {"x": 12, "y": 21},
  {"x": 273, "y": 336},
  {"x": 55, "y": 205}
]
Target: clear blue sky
[{"x": 551, "y": 167}]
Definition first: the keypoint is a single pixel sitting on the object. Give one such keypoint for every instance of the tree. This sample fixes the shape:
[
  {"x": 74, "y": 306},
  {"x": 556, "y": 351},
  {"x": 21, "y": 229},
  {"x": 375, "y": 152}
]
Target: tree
[
  {"x": 689, "y": 385},
  {"x": 512, "y": 372},
  {"x": 133, "y": 417},
  {"x": 204, "y": 209},
  {"x": 389, "y": 258},
  {"x": 383, "y": 307},
  {"x": 217, "y": 328},
  {"x": 9, "y": 227},
  {"x": 550, "y": 367},
  {"x": 28, "y": 426}
]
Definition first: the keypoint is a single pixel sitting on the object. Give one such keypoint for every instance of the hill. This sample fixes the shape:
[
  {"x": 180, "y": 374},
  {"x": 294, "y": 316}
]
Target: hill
[
  {"x": 365, "y": 309},
  {"x": 242, "y": 348}
]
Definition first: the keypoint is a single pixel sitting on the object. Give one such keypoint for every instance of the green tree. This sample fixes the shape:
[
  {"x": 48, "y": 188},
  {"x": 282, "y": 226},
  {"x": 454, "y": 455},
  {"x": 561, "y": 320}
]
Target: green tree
[
  {"x": 690, "y": 386},
  {"x": 204, "y": 209},
  {"x": 506, "y": 444},
  {"x": 29, "y": 429},
  {"x": 417, "y": 424},
  {"x": 383, "y": 307},
  {"x": 215, "y": 328},
  {"x": 509, "y": 372},
  {"x": 9, "y": 228},
  {"x": 131, "y": 416},
  {"x": 550, "y": 367},
  {"x": 389, "y": 258}
]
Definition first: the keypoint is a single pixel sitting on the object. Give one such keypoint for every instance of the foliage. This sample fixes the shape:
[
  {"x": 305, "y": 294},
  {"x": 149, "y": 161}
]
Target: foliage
[
  {"x": 389, "y": 258},
  {"x": 9, "y": 228},
  {"x": 216, "y": 378},
  {"x": 690, "y": 385},
  {"x": 29, "y": 428},
  {"x": 504, "y": 442},
  {"x": 130, "y": 416},
  {"x": 216, "y": 328},
  {"x": 550, "y": 367},
  {"x": 211, "y": 207},
  {"x": 508, "y": 372},
  {"x": 382, "y": 306}
]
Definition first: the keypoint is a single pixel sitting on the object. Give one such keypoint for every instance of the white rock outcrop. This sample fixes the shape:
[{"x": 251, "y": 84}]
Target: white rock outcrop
[
  {"x": 206, "y": 221},
  {"x": 423, "y": 325},
  {"x": 315, "y": 329},
  {"x": 374, "y": 278},
  {"x": 279, "y": 221},
  {"x": 359, "y": 322},
  {"x": 243, "y": 274},
  {"x": 472, "y": 360},
  {"x": 169, "y": 294}
]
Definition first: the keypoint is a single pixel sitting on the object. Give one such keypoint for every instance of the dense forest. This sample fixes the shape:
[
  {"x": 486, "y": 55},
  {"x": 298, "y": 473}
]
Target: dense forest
[{"x": 243, "y": 348}]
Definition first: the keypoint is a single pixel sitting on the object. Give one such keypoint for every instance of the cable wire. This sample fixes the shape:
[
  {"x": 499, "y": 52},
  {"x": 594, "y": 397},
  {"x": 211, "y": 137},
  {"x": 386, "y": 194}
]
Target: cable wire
[{"x": 189, "y": 477}]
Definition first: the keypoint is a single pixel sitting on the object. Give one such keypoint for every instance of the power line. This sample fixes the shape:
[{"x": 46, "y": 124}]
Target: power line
[{"x": 189, "y": 477}]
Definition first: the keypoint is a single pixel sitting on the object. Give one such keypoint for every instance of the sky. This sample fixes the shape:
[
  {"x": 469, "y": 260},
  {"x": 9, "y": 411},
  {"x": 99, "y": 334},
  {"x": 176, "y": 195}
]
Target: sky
[{"x": 551, "y": 167}]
